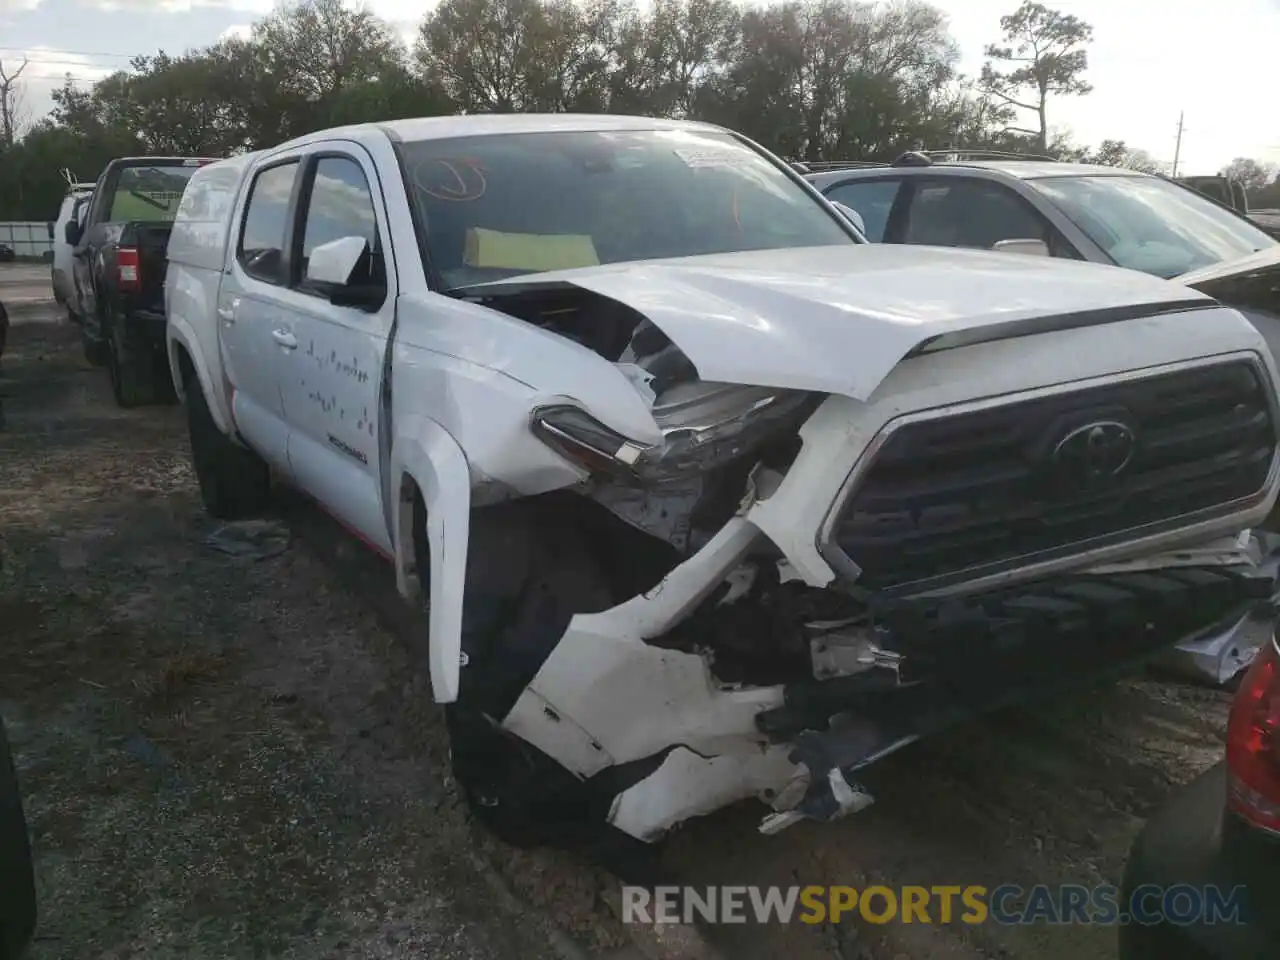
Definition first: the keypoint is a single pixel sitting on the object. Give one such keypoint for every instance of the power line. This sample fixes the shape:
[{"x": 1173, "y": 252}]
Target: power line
[{"x": 29, "y": 51}]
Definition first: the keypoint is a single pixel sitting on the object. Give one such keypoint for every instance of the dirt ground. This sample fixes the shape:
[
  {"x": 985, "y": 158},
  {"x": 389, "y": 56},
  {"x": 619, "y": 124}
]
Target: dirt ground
[{"x": 226, "y": 758}]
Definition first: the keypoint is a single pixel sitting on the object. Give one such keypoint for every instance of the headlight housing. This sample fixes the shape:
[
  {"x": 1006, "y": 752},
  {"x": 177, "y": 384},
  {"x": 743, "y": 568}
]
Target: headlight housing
[{"x": 704, "y": 425}]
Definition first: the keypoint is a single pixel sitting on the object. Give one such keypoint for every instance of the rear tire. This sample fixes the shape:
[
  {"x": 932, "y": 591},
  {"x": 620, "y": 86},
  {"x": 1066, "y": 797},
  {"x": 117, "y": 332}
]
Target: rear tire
[
  {"x": 234, "y": 482},
  {"x": 132, "y": 370}
]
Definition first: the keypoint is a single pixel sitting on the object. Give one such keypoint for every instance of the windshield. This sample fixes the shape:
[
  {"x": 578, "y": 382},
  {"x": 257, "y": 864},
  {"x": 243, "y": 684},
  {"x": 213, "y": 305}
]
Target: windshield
[
  {"x": 1148, "y": 224},
  {"x": 149, "y": 193},
  {"x": 510, "y": 204}
]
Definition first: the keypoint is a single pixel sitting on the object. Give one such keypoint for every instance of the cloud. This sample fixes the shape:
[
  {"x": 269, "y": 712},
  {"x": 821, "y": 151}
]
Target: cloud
[
  {"x": 46, "y": 71},
  {"x": 241, "y": 31},
  {"x": 182, "y": 6}
]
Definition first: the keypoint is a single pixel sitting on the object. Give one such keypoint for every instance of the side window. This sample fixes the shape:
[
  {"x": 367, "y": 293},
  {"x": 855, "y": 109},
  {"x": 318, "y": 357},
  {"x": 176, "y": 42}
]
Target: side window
[
  {"x": 872, "y": 199},
  {"x": 963, "y": 212},
  {"x": 341, "y": 205},
  {"x": 266, "y": 223}
]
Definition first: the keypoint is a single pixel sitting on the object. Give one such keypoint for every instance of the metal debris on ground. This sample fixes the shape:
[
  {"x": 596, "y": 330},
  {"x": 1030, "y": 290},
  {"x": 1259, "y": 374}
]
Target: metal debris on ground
[
  {"x": 250, "y": 539},
  {"x": 1220, "y": 656}
]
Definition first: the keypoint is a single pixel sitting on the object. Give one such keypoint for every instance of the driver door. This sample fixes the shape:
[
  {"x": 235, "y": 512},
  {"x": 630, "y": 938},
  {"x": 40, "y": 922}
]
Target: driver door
[{"x": 332, "y": 396}]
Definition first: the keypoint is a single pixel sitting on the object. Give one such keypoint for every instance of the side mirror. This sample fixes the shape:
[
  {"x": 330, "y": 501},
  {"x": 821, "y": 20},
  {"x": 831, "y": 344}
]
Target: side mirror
[
  {"x": 1034, "y": 248},
  {"x": 332, "y": 264},
  {"x": 852, "y": 215},
  {"x": 71, "y": 232},
  {"x": 331, "y": 268}
]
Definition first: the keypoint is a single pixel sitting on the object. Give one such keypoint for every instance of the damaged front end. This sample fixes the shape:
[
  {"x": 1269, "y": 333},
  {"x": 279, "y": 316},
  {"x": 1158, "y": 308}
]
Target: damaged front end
[{"x": 838, "y": 577}]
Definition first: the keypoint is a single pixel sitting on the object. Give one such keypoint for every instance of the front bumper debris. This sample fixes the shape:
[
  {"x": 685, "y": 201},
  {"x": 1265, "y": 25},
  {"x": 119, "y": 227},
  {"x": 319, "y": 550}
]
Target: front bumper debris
[{"x": 1220, "y": 654}]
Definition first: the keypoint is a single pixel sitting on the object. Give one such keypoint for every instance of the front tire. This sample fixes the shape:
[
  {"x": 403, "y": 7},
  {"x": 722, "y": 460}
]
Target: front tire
[
  {"x": 234, "y": 482},
  {"x": 529, "y": 571}
]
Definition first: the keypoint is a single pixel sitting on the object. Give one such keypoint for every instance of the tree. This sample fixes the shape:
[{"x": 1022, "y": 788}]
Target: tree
[
  {"x": 12, "y": 110},
  {"x": 1251, "y": 174},
  {"x": 1116, "y": 153},
  {"x": 1043, "y": 53},
  {"x": 815, "y": 79},
  {"x": 671, "y": 58}
]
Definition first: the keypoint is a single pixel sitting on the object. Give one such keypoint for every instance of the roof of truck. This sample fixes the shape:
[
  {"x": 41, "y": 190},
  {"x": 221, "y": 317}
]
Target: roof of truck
[{"x": 439, "y": 128}]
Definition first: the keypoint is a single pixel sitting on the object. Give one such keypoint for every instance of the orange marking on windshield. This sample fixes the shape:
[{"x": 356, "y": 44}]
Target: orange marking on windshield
[{"x": 464, "y": 180}]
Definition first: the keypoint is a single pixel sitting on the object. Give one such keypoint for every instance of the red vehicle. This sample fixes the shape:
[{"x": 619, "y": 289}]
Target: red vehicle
[{"x": 1220, "y": 832}]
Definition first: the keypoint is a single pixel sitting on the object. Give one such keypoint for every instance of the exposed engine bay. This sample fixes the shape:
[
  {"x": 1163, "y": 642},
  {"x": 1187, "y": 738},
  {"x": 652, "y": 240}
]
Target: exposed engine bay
[{"x": 686, "y": 509}]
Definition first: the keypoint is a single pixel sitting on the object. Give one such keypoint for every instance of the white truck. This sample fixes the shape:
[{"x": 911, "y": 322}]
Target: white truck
[{"x": 707, "y": 497}]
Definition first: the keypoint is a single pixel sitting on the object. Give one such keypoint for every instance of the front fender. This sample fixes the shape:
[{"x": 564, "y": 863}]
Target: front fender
[
  {"x": 180, "y": 332},
  {"x": 426, "y": 453}
]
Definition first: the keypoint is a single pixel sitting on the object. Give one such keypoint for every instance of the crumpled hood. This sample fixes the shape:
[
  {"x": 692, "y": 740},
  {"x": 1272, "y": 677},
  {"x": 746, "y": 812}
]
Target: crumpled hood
[{"x": 838, "y": 319}]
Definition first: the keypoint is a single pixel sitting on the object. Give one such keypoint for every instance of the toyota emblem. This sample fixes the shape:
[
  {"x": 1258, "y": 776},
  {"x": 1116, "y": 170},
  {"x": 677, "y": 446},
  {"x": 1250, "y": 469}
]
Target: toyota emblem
[{"x": 1095, "y": 452}]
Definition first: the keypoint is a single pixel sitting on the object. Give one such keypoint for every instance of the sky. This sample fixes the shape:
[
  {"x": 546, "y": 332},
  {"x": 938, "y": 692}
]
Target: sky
[{"x": 1151, "y": 60}]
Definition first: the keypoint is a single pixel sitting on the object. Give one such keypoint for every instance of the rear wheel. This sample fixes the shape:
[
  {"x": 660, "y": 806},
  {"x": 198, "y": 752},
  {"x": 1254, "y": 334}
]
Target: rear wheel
[
  {"x": 132, "y": 370},
  {"x": 234, "y": 482}
]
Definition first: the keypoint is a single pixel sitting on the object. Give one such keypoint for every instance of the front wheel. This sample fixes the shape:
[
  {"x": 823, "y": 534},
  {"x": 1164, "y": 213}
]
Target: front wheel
[
  {"x": 529, "y": 571},
  {"x": 234, "y": 482}
]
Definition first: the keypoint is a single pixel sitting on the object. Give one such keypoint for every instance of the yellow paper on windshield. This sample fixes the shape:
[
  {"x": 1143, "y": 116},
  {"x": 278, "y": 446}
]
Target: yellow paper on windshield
[{"x": 528, "y": 251}]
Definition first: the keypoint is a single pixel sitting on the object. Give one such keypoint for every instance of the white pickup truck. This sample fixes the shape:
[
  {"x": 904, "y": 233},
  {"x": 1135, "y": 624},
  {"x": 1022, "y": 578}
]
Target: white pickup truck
[{"x": 708, "y": 498}]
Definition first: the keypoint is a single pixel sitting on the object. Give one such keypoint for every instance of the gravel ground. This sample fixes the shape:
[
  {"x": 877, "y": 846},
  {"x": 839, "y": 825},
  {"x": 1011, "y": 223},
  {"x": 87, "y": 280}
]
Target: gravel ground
[{"x": 236, "y": 759}]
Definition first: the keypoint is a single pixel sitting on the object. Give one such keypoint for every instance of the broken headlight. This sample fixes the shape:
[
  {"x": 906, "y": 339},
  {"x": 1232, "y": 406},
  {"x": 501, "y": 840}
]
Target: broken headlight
[{"x": 704, "y": 425}]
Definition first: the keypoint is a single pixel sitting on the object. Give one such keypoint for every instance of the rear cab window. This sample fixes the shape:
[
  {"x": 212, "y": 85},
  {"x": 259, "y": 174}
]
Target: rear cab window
[
  {"x": 264, "y": 229},
  {"x": 149, "y": 192}
]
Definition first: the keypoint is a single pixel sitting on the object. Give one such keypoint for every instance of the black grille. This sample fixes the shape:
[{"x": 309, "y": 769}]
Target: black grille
[{"x": 964, "y": 492}]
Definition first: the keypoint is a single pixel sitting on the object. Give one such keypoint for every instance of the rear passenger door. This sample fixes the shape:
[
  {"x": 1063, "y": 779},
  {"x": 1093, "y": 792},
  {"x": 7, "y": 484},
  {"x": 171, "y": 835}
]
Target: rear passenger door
[
  {"x": 971, "y": 212},
  {"x": 253, "y": 322},
  {"x": 333, "y": 391}
]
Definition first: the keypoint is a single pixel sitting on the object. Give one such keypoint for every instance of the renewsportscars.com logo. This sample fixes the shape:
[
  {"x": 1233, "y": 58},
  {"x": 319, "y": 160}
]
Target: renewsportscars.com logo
[{"x": 1008, "y": 904}]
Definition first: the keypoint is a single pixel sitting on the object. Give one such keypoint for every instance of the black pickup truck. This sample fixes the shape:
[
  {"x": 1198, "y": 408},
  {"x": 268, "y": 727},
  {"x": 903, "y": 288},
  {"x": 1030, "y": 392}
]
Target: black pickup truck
[{"x": 119, "y": 264}]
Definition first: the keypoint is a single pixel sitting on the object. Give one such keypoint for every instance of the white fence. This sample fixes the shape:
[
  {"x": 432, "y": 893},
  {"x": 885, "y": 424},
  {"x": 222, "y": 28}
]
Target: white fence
[{"x": 27, "y": 238}]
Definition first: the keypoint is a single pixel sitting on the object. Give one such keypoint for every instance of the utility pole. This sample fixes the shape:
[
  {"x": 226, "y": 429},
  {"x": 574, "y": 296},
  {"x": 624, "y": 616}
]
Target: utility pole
[{"x": 1177, "y": 150}]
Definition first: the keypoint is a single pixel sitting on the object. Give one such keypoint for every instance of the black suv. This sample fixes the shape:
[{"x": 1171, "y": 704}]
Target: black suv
[{"x": 1078, "y": 211}]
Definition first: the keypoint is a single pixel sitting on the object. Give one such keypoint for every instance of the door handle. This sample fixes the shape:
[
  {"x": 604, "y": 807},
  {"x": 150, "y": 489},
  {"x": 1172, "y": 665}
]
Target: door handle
[
  {"x": 228, "y": 313},
  {"x": 285, "y": 339}
]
